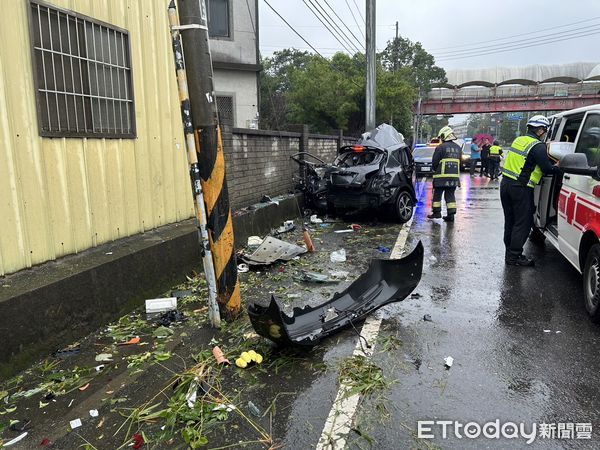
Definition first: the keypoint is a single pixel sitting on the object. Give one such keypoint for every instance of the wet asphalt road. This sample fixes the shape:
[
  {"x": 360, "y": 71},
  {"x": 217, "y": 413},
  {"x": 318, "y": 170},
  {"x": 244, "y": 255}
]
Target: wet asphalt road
[{"x": 491, "y": 319}]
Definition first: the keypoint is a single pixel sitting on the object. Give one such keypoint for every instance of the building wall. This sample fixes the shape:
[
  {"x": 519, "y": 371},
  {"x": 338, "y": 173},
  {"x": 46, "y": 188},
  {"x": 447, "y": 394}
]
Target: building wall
[
  {"x": 60, "y": 195},
  {"x": 240, "y": 84},
  {"x": 241, "y": 46}
]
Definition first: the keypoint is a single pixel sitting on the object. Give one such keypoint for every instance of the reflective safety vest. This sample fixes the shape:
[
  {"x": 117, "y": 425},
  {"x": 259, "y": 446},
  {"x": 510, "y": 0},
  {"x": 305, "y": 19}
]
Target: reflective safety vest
[
  {"x": 515, "y": 160},
  {"x": 447, "y": 173},
  {"x": 495, "y": 150}
]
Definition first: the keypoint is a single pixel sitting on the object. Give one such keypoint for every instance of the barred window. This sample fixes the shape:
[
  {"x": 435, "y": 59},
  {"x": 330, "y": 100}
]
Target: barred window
[
  {"x": 225, "y": 109},
  {"x": 82, "y": 75}
]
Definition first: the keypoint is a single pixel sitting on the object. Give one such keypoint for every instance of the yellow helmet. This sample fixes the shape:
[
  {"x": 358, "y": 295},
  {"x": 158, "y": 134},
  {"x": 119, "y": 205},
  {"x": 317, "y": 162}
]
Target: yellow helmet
[{"x": 446, "y": 134}]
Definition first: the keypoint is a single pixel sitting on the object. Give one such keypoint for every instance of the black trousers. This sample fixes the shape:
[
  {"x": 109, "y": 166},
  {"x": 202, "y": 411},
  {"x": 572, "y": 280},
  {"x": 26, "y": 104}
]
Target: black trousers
[
  {"x": 449, "y": 198},
  {"x": 494, "y": 167},
  {"x": 518, "y": 206},
  {"x": 474, "y": 166},
  {"x": 485, "y": 165}
]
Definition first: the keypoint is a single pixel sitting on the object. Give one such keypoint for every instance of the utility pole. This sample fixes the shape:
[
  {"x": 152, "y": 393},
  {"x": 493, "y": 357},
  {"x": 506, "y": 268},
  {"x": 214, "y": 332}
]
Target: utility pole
[
  {"x": 192, "y": 156},
  {"x": 209, "y": 146},
  {"x": 371, "y": 57}
]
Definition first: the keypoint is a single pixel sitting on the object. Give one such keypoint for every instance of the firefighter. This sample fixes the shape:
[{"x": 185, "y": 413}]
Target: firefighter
[
  {"x": 494, "y": 160},
  {"x": 446, "y": 164},
  {"x": 526, "y": 161}
]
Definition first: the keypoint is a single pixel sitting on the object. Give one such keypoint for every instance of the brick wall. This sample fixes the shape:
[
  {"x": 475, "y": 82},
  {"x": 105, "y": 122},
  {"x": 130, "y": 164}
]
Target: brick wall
[{"x": 258, "y": 162}]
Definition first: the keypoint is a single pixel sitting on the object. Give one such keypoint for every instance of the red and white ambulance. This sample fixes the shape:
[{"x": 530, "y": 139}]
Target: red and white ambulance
[{"x": 568, "y": 207}]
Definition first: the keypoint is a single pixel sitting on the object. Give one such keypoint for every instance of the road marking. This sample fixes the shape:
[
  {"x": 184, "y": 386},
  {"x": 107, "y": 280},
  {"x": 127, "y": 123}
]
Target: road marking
[{"x": 342, "y": 414}]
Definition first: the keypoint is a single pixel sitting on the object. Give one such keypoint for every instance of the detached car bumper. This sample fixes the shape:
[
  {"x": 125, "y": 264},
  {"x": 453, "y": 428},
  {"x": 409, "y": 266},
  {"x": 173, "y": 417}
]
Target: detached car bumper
[{"x": 386, "y": 281}]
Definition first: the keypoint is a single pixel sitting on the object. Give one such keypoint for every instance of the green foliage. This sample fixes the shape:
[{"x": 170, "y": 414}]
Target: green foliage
[{"x": 402, "y": 53}]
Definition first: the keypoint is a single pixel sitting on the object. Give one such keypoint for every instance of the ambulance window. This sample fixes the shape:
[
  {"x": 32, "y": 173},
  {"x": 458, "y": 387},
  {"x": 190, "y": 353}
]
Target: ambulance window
[
  {"x": 569, "y": 132},
  {"x": 589, "y": 140},
  {"x": 554, "y": 129}
]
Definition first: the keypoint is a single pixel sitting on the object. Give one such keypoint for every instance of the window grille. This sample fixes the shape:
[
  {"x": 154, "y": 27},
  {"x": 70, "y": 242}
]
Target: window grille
[
  {"x": 225, "y": 108},
  {"x": 82, "y": 74}
]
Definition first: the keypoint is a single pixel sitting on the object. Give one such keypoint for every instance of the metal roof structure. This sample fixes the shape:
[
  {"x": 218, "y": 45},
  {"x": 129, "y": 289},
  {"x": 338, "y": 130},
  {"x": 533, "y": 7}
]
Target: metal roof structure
[{"x": 527, "y": 75}]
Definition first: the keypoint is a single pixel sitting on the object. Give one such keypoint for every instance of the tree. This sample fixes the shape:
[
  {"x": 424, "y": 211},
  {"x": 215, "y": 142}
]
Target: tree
[{"x": 403, "y": 53}]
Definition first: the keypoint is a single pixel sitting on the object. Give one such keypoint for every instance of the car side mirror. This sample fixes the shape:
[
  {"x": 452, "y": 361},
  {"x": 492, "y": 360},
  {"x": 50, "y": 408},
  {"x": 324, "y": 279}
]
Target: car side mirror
[{"x": 577, "y": 164}]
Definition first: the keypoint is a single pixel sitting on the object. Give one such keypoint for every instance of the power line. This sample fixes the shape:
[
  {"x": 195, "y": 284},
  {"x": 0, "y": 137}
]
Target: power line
[
  {"x": 359, "y": 13},
  {"x": 360, "y": 43},
  {"x": 333, "y": 66},
  {"x": 517, "y": 47},
  {"x": 517, "y": 35},
  {"x": 331, "y": 26},
  {"x": 355, "y": 21},
  {"x": 524, "y": 41}
]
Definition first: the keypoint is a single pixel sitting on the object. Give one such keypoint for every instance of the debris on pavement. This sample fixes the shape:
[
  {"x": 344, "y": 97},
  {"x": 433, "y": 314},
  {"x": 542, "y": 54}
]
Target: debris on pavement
[
  {"x": 271, "y": 250},
  {"x": 132, "y": 341},
  {"x": 448, "y": 361},
  {"x": 247, "y": 358},
  {"x": 356, "y": 227},
  {"x": 67, "y": 352},
  {"x": 287, "y": 226},
  {"x": 45, "y": 442},
  {"x": 340, "y": 274},
  {"x": 15, "y": 440},
  {"x": 223, "y": 407},
  {"x": 219, "y": 356},
  {"x": 243, "y": 268},
  {"x": 160, "y": 305},
  {"x": 138, "y": 441},
  {"x": 433, "y": 259},
  {"x": 383, "y": 249},
  {"x": 253, "y": 241},
  {"x": 75, "y": 423},
  {"x": 547, "y": 331},
  {"x": 343, "y": 231},
  {"x": 171, "y": 317},
  {"x": 314, "y": 219},
  {"x": 308, "y": 241},
  {"x": 20, "y": 425},
  {"x": 84, "y": 387},
  {"x": 385, "y": 281},
  {"x": 427, "y": 318},
  {"x": 253, "y": 409},
  {"x": 315, "y": 277},
  {"x": 338, "y": 256},
  {"x": 94, "y": 413},
  {"x": 104, "y": 357},
  {"x": 415, "y": 295}
]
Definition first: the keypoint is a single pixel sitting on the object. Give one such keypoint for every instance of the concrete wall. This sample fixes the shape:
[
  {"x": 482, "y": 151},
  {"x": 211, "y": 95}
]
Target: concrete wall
[
  {"x": 240, "y": 47},
  {"x": 241, "y": 85},
  {"x": 258, "y": 161}
]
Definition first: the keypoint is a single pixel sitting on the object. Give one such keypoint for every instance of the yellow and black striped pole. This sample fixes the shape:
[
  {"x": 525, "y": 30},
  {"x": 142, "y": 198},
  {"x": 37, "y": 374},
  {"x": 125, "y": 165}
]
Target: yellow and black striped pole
[{"x": 209, "y": 145}]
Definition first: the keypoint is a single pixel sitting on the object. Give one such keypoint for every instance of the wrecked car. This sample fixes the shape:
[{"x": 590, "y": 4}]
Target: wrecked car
[
  {"x": 375, "y": 173},
  {"x": 386, "y": 281}
]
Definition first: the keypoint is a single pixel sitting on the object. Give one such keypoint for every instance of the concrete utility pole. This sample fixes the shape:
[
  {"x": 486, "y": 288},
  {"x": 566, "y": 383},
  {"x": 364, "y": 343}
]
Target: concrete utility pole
[
  {"x": 192, "y": 156},
  {"x": 211, "y": 161},
  {"x": 371, "y": 58}
]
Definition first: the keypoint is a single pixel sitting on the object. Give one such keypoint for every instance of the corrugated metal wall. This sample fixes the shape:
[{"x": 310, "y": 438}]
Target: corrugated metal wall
[{"x": 60, "y": 196}]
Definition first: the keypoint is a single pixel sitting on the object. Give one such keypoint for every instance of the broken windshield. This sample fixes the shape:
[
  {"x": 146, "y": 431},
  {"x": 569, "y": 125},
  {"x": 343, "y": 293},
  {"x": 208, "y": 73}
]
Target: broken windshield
[{"x": 363, "y": 158}]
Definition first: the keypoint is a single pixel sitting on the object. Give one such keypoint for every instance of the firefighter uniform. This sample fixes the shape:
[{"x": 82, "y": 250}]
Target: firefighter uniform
[
  {"x": 526, "y": 162},
  {"x": 446, "y": 164},
  {"x": 494, "y": 160}
]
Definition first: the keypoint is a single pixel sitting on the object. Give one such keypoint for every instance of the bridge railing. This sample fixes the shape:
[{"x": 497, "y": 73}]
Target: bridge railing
[{"x": 508, "y": 91}]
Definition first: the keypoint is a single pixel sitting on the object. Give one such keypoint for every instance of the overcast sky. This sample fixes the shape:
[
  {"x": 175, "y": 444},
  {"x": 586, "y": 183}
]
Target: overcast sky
[{"x": 450, "y": 26}]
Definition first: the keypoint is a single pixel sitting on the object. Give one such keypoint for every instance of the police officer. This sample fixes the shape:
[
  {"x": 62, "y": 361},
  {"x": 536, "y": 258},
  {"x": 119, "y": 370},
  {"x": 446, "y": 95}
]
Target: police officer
[
  {"x": 494, "y": 160},
  {"x": 526, "y": 161},
  {"x": 446, "y": 164}
]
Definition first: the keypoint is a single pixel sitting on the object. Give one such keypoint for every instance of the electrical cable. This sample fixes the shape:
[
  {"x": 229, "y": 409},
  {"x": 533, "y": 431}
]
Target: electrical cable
[
  {"x": 516, "y": 48},
  {"x": 355, "y": 21},
  {"x": 309, "y": 44},
  {"x": 360, "y": 43},
  {"x": 516, "y": 35},
  {"x": 331, "y": 27},
  {"x": 524, "y": 41},
  {"x": 359, "y": 13}
]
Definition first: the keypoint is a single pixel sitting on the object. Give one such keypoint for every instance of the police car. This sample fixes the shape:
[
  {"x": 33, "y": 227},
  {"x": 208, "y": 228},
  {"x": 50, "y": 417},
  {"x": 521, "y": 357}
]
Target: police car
[{"x": 568, "y": 206}]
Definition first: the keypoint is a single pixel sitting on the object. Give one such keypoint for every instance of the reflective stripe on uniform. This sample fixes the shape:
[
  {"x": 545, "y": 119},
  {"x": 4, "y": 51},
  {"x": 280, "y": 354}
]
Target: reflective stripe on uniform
[
  {"x": 451, "y": 205},
  {"x": 437, "y": 204}
]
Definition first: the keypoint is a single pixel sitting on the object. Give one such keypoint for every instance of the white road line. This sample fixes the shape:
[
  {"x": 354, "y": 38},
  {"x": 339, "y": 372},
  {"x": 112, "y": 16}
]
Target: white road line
[{"x": 342, "y": 414}]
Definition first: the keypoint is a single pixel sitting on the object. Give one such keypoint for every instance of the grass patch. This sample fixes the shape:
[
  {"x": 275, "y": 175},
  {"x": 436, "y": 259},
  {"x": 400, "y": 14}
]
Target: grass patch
[{"x": 362, "y": 376}]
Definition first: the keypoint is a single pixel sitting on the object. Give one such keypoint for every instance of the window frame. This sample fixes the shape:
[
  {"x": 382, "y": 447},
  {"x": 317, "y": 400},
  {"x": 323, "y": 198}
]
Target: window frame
[
  {"x": 229, "y": 37},
  {"x": 582, "y": 128},
  {"x": 90, "y": 134}
]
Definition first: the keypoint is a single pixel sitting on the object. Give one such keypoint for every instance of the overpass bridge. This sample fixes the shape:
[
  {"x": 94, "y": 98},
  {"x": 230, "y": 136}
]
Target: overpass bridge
[{"x": 508, "y": 89}]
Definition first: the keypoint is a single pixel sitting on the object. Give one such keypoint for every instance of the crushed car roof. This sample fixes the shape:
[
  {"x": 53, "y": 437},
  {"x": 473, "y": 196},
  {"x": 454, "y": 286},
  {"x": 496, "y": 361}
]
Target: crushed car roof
[{"x": 384, "y": 136}]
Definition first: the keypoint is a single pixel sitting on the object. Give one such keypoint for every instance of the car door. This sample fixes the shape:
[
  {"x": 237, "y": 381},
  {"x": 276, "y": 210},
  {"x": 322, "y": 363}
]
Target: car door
[{"x": 577, "y": 203}]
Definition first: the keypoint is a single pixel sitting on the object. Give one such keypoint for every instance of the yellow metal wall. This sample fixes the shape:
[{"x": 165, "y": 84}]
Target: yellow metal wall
[{"x": 61, "y": 196}]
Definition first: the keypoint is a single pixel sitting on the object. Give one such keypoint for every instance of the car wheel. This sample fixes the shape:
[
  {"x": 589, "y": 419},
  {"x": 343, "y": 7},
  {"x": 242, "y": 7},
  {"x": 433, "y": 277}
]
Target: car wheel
[
  {"x": 404, "y": 207},
  {"x": 591, "y": 283}
]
